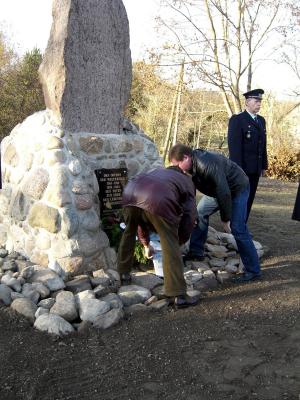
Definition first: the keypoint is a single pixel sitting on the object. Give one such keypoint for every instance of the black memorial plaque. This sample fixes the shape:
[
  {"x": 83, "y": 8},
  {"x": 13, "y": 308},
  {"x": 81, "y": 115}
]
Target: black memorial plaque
[{"x": 111, "y": 185}]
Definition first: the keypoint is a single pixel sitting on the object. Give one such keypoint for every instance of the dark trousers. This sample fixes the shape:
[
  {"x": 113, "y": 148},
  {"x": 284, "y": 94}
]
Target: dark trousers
[
  {"x": 174, "y": 283},
  {"x": 208, "y": 206},
  {"x": 253, "y": 182}
]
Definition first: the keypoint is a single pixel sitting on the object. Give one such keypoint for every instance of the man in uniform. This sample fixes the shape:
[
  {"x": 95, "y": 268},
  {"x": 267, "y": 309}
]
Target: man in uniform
[{"x": 247, "y": 141}]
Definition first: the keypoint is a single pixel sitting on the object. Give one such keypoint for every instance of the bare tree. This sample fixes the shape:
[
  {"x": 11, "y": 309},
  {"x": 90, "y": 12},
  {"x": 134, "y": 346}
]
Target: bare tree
[
  {"x": 174, "y": 116},
  {"x": 291, "y": 57},
  {"x": 222, "y": 40}
]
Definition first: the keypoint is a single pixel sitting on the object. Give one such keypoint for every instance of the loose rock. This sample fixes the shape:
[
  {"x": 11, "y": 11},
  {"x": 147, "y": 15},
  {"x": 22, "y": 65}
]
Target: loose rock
[
  {"x": 133, "y": 294},
  {"x": 65, "y": 306},
  {"x": 109, "y": 319},
  {"x": 113, "y": 299},
  {"x": 146, "y": 280},
  {"x": 79, "y": 284},
  {"x": 159, "y": 305},
  {"x": 90, "y": 309},
  {"x": 46, "y": 303},
  {"x": 47, "y": 277},
  {"x": 5, "y": 294},
  {"x": 53, "y": 324},
  {"x": 41, "y": 311},
  {"x": 25, "y": 307}
]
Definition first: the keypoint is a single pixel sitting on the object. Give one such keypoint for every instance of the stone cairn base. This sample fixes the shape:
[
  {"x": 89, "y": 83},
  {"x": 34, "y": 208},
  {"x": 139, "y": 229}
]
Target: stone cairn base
[
  {"x": 58, "y": 304},
  {"x": 49, "y": 205}
]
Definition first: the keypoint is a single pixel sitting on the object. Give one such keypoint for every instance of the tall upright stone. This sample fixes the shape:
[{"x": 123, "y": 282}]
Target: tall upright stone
[{"x": 86, "y": 70}]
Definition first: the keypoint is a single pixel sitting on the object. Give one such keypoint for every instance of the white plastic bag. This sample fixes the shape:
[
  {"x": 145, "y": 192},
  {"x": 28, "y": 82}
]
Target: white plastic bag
[
  {"x": 157, "y": 256},
  {"x": 158, "y": 264}
]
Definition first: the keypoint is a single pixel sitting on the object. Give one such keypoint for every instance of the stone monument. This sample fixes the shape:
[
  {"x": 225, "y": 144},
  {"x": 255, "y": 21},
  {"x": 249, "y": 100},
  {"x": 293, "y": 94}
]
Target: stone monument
[
  {"x": 86, "y": 70},
  {"x": 49, "y": 205}
]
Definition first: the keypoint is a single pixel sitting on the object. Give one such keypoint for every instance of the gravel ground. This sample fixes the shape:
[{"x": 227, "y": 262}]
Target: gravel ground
[{"x": 240, "y": 342}]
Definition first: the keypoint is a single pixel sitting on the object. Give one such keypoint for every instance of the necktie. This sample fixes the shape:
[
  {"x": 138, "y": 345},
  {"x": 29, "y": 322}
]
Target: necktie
[{"x": 257, "y": 121}]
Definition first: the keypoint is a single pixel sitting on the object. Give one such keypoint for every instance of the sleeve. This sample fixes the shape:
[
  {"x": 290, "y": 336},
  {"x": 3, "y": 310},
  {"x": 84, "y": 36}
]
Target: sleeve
[
  {"x": 235, "y": 140},
  {"x": 265, "y": 155},
  {"x": 217, "y": 176},
  {"x": 224, "y": 199}
]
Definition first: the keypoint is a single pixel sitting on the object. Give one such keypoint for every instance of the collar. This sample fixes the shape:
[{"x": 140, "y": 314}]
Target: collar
[
  {"x": 252, "y": 115},
  {"x": 176, "y": 168}
]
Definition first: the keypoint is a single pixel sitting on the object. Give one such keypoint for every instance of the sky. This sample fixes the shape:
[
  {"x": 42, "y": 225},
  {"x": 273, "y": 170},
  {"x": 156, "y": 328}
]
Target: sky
[{"x": 28, "y": 23}]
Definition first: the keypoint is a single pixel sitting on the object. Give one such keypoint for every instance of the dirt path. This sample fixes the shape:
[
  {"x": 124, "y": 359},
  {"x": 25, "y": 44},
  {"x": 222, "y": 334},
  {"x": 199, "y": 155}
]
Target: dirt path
[{"x": 240, "y": 342}]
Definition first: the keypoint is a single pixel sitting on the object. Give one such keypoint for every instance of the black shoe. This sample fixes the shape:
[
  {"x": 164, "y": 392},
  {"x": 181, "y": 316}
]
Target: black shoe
[
  {"x": 246, "y": 277},
  {"x": 125, "y": 278},
  {"x": 185, "y": 300},
  {"x": 193, "y": 257}
]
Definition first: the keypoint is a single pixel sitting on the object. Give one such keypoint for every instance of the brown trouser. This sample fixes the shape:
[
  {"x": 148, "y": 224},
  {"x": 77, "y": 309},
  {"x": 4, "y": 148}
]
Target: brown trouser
[{"x": 174, "y": 283}]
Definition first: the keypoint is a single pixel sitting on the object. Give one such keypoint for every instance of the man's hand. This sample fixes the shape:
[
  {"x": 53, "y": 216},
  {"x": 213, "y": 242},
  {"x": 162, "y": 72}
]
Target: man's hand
[
  {"x": 263, "y": 172},
  {"x": 149, "y": 251},
  {"x": 226, "y": 226}
]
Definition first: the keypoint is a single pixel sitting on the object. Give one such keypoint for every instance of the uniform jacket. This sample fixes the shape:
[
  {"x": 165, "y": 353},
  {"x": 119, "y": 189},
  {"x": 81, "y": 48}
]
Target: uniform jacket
[
  {"x": 215, "y": 175},
  {"x": 247, "y": 142},
  {"x": 166, "y": 192}
]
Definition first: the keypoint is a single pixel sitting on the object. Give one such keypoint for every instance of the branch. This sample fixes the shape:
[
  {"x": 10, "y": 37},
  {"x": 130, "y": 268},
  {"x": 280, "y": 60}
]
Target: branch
[{"x": 282, "y": 117}]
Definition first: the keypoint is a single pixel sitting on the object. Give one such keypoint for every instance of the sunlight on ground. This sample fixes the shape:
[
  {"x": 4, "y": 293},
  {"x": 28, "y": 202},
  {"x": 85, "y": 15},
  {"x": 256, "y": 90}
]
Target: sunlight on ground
[
  {"x": 275, "y": 262},
  {"x": 262, "y": 206}
]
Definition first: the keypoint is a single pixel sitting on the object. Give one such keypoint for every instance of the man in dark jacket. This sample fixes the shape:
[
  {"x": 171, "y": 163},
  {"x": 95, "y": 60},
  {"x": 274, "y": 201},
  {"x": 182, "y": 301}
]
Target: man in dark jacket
[
  {"x": 226, "y": 188},
  {"x": 162, "y": 200},
  {"x": 296, "y": 211},
  {"x": 247, "y": 141}
]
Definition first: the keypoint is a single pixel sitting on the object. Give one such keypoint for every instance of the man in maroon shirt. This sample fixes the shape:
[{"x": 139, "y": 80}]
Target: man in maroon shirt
[{"x": 163, "y": 201}]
